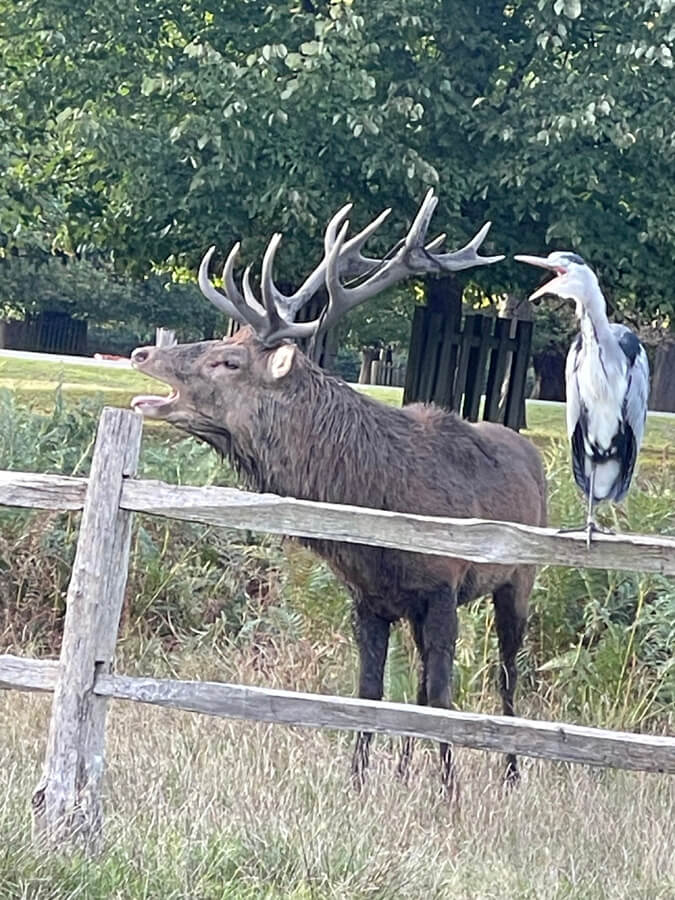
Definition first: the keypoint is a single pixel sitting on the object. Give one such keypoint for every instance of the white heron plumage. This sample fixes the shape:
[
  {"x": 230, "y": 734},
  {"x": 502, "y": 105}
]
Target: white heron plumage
[{"x": 607, "y": 378}]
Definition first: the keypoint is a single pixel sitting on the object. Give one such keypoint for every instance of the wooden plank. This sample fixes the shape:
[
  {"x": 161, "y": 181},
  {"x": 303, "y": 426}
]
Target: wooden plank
[
  {"x": 477, "y": 365},
  {"x": 468, "y": 340},
  {"x": 429, "y": 361},
  {"x": 67, "y": 802},
  {"x": 497, "y": 370},
  {"x": 447, "y": 358},
  {"x": 474, "y": 539},
  {"x": 515, "y": 403},
  {"x": 548, "y": 740},
  {"x": 21, "y": 674},
  {"x": 35, "y": 491},
  {"x": 417, "y": 331},
  {"x": 478, "y": 540}
]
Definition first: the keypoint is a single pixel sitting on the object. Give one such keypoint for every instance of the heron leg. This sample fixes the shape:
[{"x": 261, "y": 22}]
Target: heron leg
[{"x": 590, "y": 524}]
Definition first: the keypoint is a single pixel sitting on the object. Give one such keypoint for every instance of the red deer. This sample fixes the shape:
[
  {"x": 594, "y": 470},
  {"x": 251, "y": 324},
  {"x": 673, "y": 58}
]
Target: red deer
[{"x": 291, "y": 429}]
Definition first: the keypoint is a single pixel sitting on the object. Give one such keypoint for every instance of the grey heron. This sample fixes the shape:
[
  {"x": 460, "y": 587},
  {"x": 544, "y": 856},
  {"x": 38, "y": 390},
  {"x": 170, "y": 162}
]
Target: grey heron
[{"x": 607, "y": 378}]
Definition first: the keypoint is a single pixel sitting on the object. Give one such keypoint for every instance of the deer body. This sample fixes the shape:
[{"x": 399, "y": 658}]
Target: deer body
[
  {"x": 298, "y": 432},
  {"x": 293, "y": 430}
]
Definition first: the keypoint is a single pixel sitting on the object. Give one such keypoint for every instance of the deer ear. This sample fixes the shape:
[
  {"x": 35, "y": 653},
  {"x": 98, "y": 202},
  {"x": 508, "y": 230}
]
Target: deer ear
[{"x": 280, "y": 362}]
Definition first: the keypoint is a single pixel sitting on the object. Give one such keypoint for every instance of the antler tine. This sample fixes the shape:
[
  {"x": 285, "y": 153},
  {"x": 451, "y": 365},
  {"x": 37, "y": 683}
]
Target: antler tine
[
  {"x": 420, "y": 226},
  {"x": 270, "y": 293},
  {"x": 257, "y": 319},
  {"x": 468, "y": 257},
  {"x": 223, "y": 302},
  {"x": 329, "y": 235},
  {"x": 231, "y": 288},
  {"x": 436, "y": 243},
  {"x": 351, "y": 263}
]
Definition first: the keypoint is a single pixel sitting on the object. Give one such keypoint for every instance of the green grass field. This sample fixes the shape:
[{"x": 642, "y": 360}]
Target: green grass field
[
  {"x": 199, "y": 808},
  {"x": 35, "y": 382}
]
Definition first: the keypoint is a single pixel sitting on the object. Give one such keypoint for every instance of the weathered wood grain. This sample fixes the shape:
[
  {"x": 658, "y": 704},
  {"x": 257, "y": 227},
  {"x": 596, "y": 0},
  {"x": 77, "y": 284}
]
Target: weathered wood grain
[
  {"x": 22, "y": 674},
  {"x": 549, "y": 740},
  {"x": 31, "y": 490},
  {"x": 475, "y": 539},
  {"x": 67, "y": 802}
]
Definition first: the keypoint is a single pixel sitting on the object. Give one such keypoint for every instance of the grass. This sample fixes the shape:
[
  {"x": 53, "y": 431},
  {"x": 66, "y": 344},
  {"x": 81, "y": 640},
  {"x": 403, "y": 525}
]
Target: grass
[
  {"x": 34, "y": 383},
  {"x": 203, "y": 808}
]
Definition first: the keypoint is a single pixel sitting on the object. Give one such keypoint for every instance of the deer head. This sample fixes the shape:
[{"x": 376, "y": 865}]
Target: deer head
[{"x": 221, "y": 386}]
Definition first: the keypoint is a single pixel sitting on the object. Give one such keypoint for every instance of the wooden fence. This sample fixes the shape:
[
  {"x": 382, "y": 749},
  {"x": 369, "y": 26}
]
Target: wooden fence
[
  {"x": 454, "y": 363},
  {"x": 48, "y": 332},
  {"x": 67, "y": 801}
]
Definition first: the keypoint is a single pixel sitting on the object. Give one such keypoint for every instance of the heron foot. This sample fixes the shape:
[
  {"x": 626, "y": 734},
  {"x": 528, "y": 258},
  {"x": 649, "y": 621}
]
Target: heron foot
[{"x": 588, "y": 529}]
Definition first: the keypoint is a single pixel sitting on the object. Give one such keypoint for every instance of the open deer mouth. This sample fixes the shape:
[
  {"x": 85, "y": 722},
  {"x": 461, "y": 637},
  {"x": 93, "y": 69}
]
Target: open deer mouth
[{"x": 152, "y": 405}]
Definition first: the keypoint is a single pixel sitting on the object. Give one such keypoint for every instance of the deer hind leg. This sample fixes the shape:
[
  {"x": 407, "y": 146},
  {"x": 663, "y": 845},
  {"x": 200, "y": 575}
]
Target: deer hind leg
[
  {"x": 439, "y": 634},
  {"x": 510, "y": 603},
  {"x": 372, "y": 638},
  {"x": 408, "y": 742}
]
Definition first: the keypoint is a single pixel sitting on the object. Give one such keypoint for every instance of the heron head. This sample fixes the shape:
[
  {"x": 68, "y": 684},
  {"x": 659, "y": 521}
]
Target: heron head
[{"x": 573, "y": 278}]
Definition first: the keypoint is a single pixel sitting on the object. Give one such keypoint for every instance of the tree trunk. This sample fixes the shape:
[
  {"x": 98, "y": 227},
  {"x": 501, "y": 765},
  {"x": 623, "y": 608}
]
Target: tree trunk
[
  {"x": 549, "y": 368},
  {"x": 662, "y": 395}
]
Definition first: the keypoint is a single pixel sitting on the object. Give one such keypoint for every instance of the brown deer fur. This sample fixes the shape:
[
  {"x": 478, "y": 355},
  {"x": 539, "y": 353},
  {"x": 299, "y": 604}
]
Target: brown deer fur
[{"x": 291, "y": 429}]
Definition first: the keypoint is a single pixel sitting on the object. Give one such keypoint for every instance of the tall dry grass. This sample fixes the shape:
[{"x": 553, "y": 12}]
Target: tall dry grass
[{"x": 201, "y": 808}]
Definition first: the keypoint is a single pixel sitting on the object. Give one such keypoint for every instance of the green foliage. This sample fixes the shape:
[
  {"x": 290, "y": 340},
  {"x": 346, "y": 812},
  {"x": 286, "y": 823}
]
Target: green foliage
[
  {"x": 31, "y": 284},
  {"x": 154, "y": 132}
]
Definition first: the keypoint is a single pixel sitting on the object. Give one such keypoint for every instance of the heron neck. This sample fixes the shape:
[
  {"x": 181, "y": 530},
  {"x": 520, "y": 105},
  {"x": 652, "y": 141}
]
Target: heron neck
[{"x": 592, "y": 314}]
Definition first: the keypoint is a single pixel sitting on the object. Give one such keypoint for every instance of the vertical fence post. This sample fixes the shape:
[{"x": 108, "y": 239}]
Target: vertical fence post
[{"x": 67, "y": 802}]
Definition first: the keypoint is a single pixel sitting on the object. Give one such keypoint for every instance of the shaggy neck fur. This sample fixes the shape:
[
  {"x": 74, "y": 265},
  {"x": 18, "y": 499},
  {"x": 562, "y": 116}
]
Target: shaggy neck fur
[{"x": 316, "y": 438}]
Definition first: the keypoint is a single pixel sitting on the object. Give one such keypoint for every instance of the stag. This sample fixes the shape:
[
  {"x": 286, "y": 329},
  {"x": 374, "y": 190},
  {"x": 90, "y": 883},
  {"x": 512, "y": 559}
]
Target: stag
[{"x": 291, "y": 429}]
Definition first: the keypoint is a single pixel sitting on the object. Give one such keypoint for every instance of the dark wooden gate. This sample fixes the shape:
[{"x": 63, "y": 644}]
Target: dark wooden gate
[
  {"x": 454, "y": 360},
  {"x": 48, "y": 332}
]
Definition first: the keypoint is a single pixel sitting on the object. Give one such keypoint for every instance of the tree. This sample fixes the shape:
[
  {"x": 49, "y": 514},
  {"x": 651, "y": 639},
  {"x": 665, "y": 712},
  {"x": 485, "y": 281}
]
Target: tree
[{"x": 154, "y": 132}]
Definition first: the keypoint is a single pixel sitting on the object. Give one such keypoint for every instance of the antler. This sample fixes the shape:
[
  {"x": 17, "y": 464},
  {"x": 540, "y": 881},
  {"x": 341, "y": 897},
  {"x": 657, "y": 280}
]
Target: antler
[{"x": 273, "y": 319}]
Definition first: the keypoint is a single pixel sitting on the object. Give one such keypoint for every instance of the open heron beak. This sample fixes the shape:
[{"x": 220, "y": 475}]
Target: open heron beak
[{"x": 550, "y": 286}]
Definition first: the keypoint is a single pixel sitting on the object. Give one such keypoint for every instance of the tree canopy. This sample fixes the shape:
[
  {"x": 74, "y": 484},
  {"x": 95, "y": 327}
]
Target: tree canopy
[{"x": 150, "y": 130}]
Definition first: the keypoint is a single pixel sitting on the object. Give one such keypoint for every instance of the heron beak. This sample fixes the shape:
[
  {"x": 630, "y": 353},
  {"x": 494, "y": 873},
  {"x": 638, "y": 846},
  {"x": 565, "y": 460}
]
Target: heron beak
[{"x": 551, "y": 286}]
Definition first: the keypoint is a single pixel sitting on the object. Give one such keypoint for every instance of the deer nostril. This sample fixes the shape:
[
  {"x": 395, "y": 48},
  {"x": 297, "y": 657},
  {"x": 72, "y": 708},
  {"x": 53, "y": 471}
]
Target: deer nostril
[{"x": 140, "y": 355}]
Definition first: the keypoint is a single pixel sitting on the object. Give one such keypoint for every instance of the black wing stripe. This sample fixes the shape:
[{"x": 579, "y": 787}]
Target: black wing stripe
[
  {"x": 627, "y": 459},
  {"x": 579, "y": 458},
  {"x": 631, "y": 346}
]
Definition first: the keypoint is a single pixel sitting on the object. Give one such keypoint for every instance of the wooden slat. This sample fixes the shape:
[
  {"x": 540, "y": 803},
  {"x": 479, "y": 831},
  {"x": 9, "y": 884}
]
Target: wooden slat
[
  {"x": 430, "y": 354},
  {"x": 463, "y": 362},
  {"x": 497, "y": 370},
  {"x": 515, "y": 403},
  {"x": 549, "y": 740},
  {"x": 474, "y": 539},
  {"x": 447, "y": 358},
  {"x": 477, "y": 365},
  {"x": 417, "y": 333},
  {"x": 32, "y": 490}
]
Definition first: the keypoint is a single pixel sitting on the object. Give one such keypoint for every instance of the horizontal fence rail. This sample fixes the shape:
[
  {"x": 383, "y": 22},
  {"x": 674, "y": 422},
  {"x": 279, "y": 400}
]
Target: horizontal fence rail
[
  {"x": 526, "y": 737},
  {"x": 477, "y": 540}
]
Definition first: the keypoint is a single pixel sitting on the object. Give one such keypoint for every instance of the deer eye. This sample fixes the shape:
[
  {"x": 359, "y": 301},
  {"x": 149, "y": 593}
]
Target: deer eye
[{"x": 226, "y": 363}]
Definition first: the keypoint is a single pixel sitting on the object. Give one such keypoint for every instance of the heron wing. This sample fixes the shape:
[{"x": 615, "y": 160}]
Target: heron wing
[
  {"x": 573, "y": 400},
  {"x": 574, "y": 411},
  {"x": 634, "y": 408}
]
